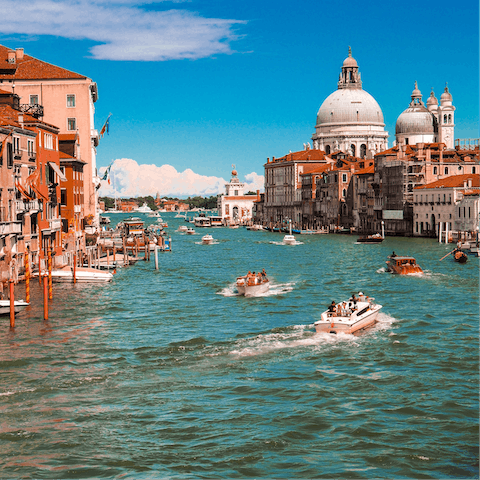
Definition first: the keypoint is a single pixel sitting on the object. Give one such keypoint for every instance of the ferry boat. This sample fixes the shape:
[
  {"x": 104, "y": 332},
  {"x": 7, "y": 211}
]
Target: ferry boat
[
  {"x": 250, "y": 285},
  {"x": 18, "y": 306},
  {"x": 375, "y": 238},
  {"x": 202, "y": 221},
  {"x": 402, "y": 265},
  {"x": 207, "y": 239},
  {"x": 216, "y": 221},
  {"x": 349, "y": 316}
]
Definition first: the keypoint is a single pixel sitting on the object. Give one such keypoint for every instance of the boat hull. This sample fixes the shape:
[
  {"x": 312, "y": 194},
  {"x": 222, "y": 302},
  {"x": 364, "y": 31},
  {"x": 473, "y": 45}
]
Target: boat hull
[
  {"x": 82, "y": 275},
  {"x": 252, "y": 290},
  {"x": 18, "y": 306},
  {"x": 332, "y": 323}
]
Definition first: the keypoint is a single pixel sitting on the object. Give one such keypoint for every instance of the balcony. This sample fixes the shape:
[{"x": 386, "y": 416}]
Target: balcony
[
  {"x": 10, "y": 227},
  {"x": 56, "y": 224},
  {"x": 33, "y": 110}
]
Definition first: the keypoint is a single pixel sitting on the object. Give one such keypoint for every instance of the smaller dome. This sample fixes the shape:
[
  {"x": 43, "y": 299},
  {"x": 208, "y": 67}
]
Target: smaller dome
[
  {"x": 432, "y": 99},
  {"x": 350, "y": 61},
  {"x": 446, "y": 95},
  {"x": 415, "y": 120}
]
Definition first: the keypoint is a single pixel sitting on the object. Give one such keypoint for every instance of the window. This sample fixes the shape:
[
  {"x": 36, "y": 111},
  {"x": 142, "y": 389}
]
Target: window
[
  {"x": 446, "y": 170},
  {"x": 327, "y": 149},
  {"x": 235, "y": 192},
  {"x": 434, "y": 170},
  {"x": 33, "y": 99},
  {"x": 30, "y": 147},
  {"x": 344, "y": 193},
  {"x": 344, "y": 177},
  {"x": 406, "y": 141},
  {"x": 70, "y": 101},
  {"x": 474, "y": 170},
  {"x": 48, "y": 141},
  {"x": 71, "y": 123},
  {"x": 63, "y": 196},
  {"x": 363, "y": 150},
  {"x": 16, "y": 145}
]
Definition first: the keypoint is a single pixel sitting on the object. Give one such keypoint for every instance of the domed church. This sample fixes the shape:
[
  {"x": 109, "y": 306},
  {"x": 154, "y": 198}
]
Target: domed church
[
  {"x": 350, "y": 119},
  {"x": 429, "y": 124}
]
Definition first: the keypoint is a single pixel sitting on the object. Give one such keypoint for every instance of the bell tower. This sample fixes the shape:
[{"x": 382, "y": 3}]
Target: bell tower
[{"x": 446, "y": 124}]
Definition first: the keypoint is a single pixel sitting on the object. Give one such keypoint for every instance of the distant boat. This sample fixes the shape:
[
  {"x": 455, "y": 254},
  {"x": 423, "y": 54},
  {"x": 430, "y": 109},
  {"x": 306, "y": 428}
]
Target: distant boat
[
  {"x": 289, "y": 239},
  {"x": 143, "y": 209},
  {"x": 190, "y": 231},
  {"x": 207, "y": 239},
  {"x": 375, "y": 238},
  {"x": 458, "y": 255}
]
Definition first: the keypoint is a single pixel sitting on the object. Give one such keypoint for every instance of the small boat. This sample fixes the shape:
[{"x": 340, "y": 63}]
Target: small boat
[
  {"x": 155, "y": 215},
  {"x": 349, "y": 316},
  {"x": 82, "y": 274},
  {"x": 143, "y": 209},
  {"x": 190, "y": 231},
  {"x": 375, "y": 238},
  {"x": 460, "y": 256},
  {"x": 289, "y": 240},
  {"x": 182, "y": 228},
  {"x": 207, "y": 239},
  {"x": 250, "y": 285},
  {"x": 178, "y": 215},
  {"x": 402, "y": 265},
  {"x": 18, "y": 306},
  {"x": 255, "y": 227}
]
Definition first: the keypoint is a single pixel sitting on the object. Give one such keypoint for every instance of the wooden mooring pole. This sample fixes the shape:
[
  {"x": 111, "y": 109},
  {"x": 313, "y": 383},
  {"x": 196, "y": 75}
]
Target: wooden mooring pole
[{"x": 12, "y": 304}]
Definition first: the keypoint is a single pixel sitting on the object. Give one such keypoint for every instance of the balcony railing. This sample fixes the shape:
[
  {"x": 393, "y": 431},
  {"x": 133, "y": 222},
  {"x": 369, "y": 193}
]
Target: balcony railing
[
  {"x": 33, "y": 110},
  {"x": 10, "y": 227}
]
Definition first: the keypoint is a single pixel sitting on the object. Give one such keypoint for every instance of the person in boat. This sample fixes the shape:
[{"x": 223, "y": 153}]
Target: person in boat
[
  {"x": 264, "y": 275},
  {"x": 353, "y": 302},
  {"x": 332, "y": 308}
]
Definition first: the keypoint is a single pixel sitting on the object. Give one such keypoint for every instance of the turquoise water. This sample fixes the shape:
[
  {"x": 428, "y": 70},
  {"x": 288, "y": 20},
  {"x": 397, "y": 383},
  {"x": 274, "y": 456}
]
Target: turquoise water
[{"x": 170, "y": 374}]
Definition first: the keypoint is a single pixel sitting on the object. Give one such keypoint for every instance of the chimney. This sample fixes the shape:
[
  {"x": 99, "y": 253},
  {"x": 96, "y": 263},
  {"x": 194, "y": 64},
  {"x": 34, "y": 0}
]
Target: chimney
[
  {"x": 258, "y": 195},
  {"x": 19, "y": 54},
  {"x": 11, "y": 57},
  {"x": 20, "y": 119}
]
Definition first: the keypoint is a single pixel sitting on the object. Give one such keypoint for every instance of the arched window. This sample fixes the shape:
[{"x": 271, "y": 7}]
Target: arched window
[
  {"x": 410, "y": 187},
  {"x": 434, "y": 170},
  {"x": 445, "y": 118},
  {"x": 363, "y": 150},
  {"x": 235, "y": 212},
  {"x": 406, "y": 141},
  {"x": 344, "y": 193},
  {"x": 327, "y": 149},
  {"x": 450, "y": 118},
  {"x": 409, "y": 170},
  {"x": 353, "y": 149},
  {"x": 474, "y": 170},
  {"x": 446, "y": 170}
]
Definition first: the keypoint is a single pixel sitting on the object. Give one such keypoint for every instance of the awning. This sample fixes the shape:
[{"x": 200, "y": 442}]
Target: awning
[{"x": 57, "y": 170}]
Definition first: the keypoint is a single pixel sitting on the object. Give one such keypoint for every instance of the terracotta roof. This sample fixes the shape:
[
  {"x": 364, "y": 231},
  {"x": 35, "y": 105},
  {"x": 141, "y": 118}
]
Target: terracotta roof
[
  {"x": 64, "y": 155},
  {"x": 364, "y": 171},
  {"x": 9, "y": 116},
  {"x": 454, "y": 181},
  {"x": 30, "y": 68},
  {"x": 302, "y": 155},
  {"x": 312, "y": 169}
]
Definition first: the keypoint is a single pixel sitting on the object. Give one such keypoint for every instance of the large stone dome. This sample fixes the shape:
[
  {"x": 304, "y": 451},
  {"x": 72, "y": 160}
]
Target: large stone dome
[{"x": 354, "y": 106}]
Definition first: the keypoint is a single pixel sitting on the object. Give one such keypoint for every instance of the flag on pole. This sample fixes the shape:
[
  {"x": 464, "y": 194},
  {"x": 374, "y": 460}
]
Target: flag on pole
[
  {"x": 106, "y": 126},
  {"x": 107, "y": 173}
]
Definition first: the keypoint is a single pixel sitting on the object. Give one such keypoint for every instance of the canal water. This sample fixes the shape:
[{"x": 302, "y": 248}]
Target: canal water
[{"x": 171, "y": 374}]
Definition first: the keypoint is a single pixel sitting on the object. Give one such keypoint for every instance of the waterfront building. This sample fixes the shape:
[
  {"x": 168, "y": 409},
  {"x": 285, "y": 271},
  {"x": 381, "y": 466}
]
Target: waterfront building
[
  {"x": 235, "y": 206},
  {"x": 350, "y": 119},
  {"x": 309, "y": 177},
  {"x": 59, "y": 97},
  {"x": 283, "y": 185},
  {"x": 30, "y": 187},
  {"x": 72, "y": 194},
  {"x": 402, "y": 168},
  {"x": 432, "y": 123},
  {"x": 452, "y": 202}
]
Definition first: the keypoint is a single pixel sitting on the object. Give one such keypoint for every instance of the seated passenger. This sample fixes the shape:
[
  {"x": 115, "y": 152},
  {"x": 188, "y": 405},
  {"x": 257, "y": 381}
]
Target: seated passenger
[{"x": 332, "y": 307}]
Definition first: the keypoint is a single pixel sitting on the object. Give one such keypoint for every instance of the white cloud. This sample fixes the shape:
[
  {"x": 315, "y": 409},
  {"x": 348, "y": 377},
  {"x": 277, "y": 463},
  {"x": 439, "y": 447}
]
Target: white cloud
[
  {"x": 124, "y": 29},
  {"x": 129, "y": 179}
]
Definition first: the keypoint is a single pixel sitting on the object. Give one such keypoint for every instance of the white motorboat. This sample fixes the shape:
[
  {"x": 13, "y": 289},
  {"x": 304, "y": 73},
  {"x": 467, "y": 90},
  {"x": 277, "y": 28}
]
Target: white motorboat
[
  {"x": 289, "y": 240},
  {"x": 190, "y": 231},
  {"x": 255, "y": 227},
  {"x": 155, "y": 215},
  {"x": 207, "y": 239},
  {"x": 18, "y": 306},
  {"x": 143, "y": 209},
  {"x": 349, "y": 316},
  {"x": 182, "y": 228},
  {"x": 251, "y": 285},
  {"x": 82, "y": 274}
]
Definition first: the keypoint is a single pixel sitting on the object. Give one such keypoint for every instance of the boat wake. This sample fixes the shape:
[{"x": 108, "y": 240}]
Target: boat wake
[
  {"x": 215, "y": 242},
  {"x": 275, "y": 289}
]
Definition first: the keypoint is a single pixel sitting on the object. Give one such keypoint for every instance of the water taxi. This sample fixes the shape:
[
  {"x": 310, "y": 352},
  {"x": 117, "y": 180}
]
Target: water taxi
[
  {"x": 349, "y": 316},
  {"x": 375, "y": 238},
  {"x": 289, "y": 240},
  {"x": 207, "y": 239},
  {"x": 402, "y": 265},
  {"x": 252, "y": 284},
  {"x": 18, "y": 306}
]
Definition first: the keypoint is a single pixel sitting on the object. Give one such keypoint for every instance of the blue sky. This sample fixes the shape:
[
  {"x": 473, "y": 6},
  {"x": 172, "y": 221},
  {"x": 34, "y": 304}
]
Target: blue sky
[{"x": 200, "y": 85}]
